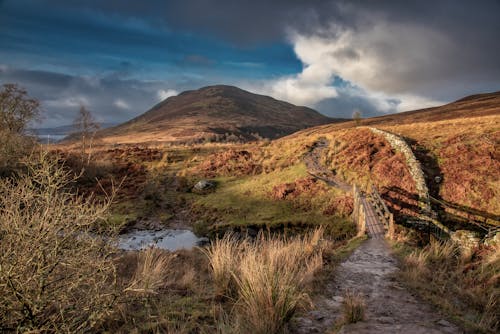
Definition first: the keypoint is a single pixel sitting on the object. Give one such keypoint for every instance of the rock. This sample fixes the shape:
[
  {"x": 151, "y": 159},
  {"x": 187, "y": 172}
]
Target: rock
[
  {"x": 493, "y": 240},
  {"x": 203, "y": 241},
  {"x": 317, "y": 315},
  {"x": 444, "y": 323},
  {"x": 204, "y": 185},
  {"x": 385, "y": 320},
  {"x": 466, "y": 239}
]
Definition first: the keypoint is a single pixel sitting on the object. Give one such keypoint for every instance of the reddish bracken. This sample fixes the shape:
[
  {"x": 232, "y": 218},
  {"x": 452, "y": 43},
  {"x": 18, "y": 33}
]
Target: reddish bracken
[
  {"x": 371, "y": 156},
  {"x": 341, "y": 206},
  {"x": 230, "y": 162},
  {"x": 294, "y": 189},
  {"x": 469, "y": 165}
]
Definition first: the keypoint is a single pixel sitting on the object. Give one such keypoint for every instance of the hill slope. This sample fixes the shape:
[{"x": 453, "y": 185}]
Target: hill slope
[
  {"x": 470, "y": 106},
  {"x": 457, "y": 142},
  {"x": 216, "y": 113}
]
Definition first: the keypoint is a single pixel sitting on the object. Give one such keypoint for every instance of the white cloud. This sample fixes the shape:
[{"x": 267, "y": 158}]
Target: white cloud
[
  {"x": 119, "y": 103},
  {"x": 387, "y": 62},
  {"x": 165, "y": 94}
]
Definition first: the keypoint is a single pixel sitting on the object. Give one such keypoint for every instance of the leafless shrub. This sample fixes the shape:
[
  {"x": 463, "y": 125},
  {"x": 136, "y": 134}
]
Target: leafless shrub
[
  {"x": 85, "y": 127},
  {"x": 54, "y": 276}
]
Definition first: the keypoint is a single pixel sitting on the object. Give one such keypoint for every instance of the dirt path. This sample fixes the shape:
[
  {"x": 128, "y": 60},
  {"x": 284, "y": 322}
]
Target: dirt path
[
  {"x": 369, "y": 271},
  {"x": 390, "y": 308},
  {"x": 316, "y": 169}
]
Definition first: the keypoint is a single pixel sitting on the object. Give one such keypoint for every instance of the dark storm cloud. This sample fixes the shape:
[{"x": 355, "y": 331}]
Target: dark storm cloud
[
  {"x": 111, "y": 98},
  {"x": 240, "y": 21},
  {"x": 259, "y": 20},
  {"x": 117, "y": 54},
  {"x": 459, "y": 37},
  {"x": 344, "y": 105}
]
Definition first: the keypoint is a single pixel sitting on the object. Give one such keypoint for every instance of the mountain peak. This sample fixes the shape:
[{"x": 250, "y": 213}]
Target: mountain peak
[{"x": 217, "y": 112}]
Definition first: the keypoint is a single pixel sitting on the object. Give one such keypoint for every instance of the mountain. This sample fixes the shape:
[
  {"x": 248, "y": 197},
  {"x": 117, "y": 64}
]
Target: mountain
[
  {"x": 215, "y": 113},
  {"x": 471, "y": 106}
]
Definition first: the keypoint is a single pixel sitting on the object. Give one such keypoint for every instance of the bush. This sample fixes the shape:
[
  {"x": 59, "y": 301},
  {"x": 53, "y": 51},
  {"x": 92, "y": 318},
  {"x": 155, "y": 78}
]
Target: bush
[
  {"x": 54, "y": 275},
  {"x": 13, "y": 148}
]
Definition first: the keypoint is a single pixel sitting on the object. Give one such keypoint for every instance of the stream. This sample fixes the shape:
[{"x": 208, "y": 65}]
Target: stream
[{"x": 168, "y": 239}]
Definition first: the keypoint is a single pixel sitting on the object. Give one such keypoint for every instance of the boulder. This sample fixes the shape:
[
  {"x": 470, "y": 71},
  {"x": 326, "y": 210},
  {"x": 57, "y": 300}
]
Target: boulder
[
  {"x": 204, "y": 185},
  {"x": 493, "y": 240},
  {"x": 466, "y": 239}
]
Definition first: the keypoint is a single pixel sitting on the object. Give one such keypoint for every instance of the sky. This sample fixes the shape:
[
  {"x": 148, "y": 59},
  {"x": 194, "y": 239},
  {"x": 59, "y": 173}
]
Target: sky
[{"x": 120, "y": 57}]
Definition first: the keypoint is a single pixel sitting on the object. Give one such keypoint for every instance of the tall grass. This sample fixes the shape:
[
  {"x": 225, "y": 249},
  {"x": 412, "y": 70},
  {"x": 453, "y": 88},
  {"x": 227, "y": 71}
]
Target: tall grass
[
  {"x": 270, "y": 276},
  {"x": 463, "y": 282},
  {"x": 353, "y": 307},
  {"x": 154, "y": 266},
  {"x": 223, "y": 255}
]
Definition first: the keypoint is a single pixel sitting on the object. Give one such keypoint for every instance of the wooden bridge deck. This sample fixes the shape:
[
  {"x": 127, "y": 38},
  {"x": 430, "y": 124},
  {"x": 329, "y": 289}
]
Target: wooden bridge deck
[{"x": 374, "y": 227}]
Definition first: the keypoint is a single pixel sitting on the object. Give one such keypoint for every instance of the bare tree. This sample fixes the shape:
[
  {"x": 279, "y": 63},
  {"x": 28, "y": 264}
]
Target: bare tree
[
  {"x": 356, "y": 116},
  {"x": 85, "y": 127},
  {"x": 17, "y": 109}
]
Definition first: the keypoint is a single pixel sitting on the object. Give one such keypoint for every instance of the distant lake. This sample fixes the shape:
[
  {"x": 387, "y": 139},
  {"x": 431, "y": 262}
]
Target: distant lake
[{"x": 45, "y": 139}]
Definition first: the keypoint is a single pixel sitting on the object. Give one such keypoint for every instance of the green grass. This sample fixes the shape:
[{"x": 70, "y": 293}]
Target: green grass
[
  {"x": 343, "y": 252},
  {"x": 242, "y": 201}
]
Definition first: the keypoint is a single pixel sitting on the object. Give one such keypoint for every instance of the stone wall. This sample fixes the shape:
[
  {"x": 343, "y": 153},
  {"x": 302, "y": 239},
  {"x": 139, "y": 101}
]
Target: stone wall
[
  {"x": 414, "y": 167},
  {"x": 467, "y": 239}
]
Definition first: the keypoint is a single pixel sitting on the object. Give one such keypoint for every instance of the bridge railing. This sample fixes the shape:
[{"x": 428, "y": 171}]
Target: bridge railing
[
  {"x": 358, "y": 212},
  {"x": 385, "y": 216},
  {"x": 425, "y": 223}
]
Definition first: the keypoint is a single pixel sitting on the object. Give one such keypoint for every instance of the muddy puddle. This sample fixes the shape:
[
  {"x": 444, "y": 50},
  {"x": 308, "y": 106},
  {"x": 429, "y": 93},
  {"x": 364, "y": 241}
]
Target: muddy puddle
[{"x": 169, "y": 239}]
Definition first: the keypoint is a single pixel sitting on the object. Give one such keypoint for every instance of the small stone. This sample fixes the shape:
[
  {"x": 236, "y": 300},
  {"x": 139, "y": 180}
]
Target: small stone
[
  {"x": 317, "y": 315},
  {"x": 444, "y": 323},
  {"x": 204, "y": 185},
  {"x": 385, "y": 320},
  {"x": 203, "y": 241}
]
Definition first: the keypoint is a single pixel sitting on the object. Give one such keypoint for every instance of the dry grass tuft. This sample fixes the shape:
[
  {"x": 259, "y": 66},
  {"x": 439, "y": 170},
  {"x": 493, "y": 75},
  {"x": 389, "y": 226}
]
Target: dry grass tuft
[
  {"x": 463, "y": 282},
  {"x": 353, "y": 307},
  {"x": 223, "y": 256},
  {"x": 270, "y": 275},
  {"x": 153, "y": 269}
]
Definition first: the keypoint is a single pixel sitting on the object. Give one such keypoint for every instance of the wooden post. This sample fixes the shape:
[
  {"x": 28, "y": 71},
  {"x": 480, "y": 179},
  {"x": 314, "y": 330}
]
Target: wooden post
[
  {"x": 355, "y": 209},
  {"x": 362, "y": 225},
  {"x": 391, "y": 226}
]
